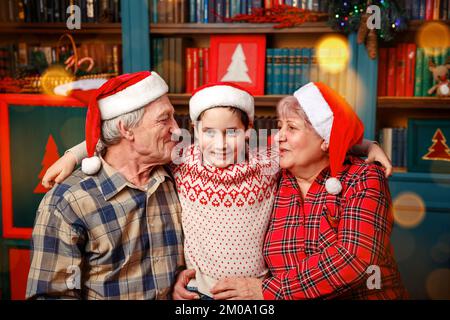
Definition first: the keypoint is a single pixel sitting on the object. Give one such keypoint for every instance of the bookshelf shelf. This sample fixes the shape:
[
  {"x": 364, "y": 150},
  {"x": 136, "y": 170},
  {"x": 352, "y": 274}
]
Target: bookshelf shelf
[
  {"x": 232, "y": 28},
  {"x": 269, "y": 101},
  {"x": 59, "y": 28},
  {"x": 417, "y": 103}
]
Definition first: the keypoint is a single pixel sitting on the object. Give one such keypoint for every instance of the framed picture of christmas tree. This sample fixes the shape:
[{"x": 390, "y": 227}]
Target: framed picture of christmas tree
[
  {"x": 428, "y": 145},
  {"x": 239, "y": 59},
  {"x": 35, "y": 131}
]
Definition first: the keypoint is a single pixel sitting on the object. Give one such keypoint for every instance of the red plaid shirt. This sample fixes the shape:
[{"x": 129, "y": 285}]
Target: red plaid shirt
[{"x": 323, "y": 245}]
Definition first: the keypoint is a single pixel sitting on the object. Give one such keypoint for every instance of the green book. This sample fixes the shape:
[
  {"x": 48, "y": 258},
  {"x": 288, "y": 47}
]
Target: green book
[
  {"x": 419, "y": 70},
  {"x": 426, "y": 75}
]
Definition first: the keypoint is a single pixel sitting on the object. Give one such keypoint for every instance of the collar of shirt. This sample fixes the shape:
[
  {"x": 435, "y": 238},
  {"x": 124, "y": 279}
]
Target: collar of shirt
[
  {"x": 112, "y": 181},
  {"x": 289, "y": 186}
]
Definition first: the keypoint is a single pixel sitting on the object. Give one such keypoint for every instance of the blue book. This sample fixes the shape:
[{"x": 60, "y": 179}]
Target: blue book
[
  {"x": 395, "y": 147},
  {"x": 415, "y": 8},
  {"x": 243, "y": 9},
  {"x": 405, "y": 146},
  {"x": 291, "y": 72},
  {"x": 298, "y": 68},
  {"x": 269, "y": 71},
  {"x": 288, "y": 2},
  {"x": 154, "y": 11},
  {"x": 205, "y": 11},
  {"x": 304, "y": 66},
  {"x": 422, "y": 9},
  {"x": 285, "y": 71},
  {"x": 307, "y": 62},
  {"x": 314, "y": 68},
  {"x": 192, "y": 11},
  {"x": 199, "y": 8},
  {"x": 277, "y": 66},
  {"x": 235, "y": 7},
  {"x": 408, "y": 9}
]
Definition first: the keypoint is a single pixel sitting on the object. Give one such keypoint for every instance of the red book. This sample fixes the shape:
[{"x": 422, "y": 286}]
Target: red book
[
  {"x": 410, "y": 69},
  {"x": 195, "y": 68},
  {"x": 267, "y": 4},
  {"x": 391, "y": 72},
  {"x": 189, "y": 74},
  {"x": 382, "y": 72},
  {"x": 429, "y": 8},
  {"x": 400, "y": 70},
  {"x": 206, "y": 65}
]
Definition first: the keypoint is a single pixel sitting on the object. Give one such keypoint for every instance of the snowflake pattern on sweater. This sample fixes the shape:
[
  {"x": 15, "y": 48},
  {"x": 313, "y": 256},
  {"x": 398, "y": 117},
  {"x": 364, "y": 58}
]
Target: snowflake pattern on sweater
[{"x": 225, "y": 215}]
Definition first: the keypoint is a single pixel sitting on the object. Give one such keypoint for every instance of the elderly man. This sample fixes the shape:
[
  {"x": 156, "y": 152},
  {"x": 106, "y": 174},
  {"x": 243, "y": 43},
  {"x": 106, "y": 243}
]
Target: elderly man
[{"x": 112, "y": 230}]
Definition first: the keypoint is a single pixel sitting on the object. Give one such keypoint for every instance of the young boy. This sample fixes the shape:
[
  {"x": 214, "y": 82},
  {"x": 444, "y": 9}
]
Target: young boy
[{"x": 226, "y": 193}]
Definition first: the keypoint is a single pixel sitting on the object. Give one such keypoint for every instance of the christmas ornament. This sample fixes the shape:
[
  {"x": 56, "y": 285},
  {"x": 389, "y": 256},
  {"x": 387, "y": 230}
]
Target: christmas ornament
[{"x": 440, "y": 75}]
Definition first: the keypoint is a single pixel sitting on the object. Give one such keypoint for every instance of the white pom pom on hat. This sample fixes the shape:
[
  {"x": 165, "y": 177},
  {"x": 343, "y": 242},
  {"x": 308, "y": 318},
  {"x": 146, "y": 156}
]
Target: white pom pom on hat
[
  {"x": 91, "y": 165},
  {"x": 119, "y": 95}
]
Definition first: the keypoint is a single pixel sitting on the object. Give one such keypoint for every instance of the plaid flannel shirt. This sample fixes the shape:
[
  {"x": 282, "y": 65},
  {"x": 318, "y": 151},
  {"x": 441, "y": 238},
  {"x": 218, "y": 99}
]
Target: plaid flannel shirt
[
  {"x": 122, "y": 241},
  {"x": 322, "y": 246}
]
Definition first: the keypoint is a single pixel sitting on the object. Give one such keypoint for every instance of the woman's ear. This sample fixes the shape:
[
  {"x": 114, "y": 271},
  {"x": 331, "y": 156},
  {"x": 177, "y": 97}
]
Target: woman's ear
[
  {"x": 324, "y": 146},
  {"x": 249, "y": 130},
  {"x": 127, "y": 134}
]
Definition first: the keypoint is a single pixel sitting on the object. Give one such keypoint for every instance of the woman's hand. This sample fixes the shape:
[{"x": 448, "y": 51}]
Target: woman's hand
[
  {"x": 60, "y": 170},
  {"x": 376, "y": 153},
  {"x": 179, "y": 290},
  {"x": 238, "y": 289}
]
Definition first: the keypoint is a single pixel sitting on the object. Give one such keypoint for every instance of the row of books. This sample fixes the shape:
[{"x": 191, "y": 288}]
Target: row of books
[
  {"x": 403, "y": 71},
  {"x": 169, "y": 60},
  {"x": 103, "y": 11},
  {"x": 287, "y": 69},
  {"x": 217, "y": 11},
  {"x": 23, "y": 59},
  {"x": 394, "y": 143},
  {"x": 427, "y": 9}
]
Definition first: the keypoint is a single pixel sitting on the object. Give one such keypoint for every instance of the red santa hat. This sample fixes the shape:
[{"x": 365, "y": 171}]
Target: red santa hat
[
  {"x": 221, "y": 94},
  {"x": 119, "y": 95},
  {"x": 335, "y": 121}
]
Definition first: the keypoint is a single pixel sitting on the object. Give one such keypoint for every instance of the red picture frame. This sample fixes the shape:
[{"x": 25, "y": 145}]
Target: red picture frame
[
  {"x": 240, "y": 60},
  {"x": 9, "y": 230}
]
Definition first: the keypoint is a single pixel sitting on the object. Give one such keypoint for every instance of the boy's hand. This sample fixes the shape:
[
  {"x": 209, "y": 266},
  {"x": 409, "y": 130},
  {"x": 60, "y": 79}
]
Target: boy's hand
[
  {"x": 179, "y": 290},
  {"x": 375, "y": 153},
  {"x": 60, "y": 170}
]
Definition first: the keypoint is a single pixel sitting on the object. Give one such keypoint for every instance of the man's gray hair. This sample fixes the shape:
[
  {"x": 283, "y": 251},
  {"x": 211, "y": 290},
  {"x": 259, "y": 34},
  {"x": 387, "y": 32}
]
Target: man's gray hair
[{"x": 110, "y": 128}]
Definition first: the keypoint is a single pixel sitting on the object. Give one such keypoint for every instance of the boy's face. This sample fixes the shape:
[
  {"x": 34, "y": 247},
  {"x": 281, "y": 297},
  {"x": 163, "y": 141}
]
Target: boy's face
[{"x": 221, "y": 137}]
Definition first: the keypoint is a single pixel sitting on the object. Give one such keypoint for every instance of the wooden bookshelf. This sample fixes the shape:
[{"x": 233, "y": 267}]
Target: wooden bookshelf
[
  {"x": 59, "y": 28},
  {"x": 235, "y": 28},
  {"x": 417, "y": 103}
]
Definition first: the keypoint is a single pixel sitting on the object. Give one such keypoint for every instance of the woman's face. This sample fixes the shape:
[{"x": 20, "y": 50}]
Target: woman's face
[
  {"x": 300, "y": 146},
  {"x": 221, "y": 137}
]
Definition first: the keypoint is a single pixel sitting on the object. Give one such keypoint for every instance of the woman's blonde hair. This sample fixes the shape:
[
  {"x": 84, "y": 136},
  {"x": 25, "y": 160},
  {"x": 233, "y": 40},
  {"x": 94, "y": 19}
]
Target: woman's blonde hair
[{"x": 290, "y": 106}]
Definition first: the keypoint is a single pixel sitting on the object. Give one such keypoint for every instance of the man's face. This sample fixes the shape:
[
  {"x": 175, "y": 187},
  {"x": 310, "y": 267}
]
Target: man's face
[{"x": 153, "y": 136}]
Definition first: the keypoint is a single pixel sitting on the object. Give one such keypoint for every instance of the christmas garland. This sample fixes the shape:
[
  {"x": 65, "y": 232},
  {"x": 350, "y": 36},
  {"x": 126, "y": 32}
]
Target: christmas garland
[
  {"x": 283, "y": 15},
  {"x": 346, "y": 16}
]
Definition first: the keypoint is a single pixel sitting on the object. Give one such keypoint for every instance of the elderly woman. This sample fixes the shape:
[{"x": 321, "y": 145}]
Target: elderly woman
[{"x": 329, "y": 232}]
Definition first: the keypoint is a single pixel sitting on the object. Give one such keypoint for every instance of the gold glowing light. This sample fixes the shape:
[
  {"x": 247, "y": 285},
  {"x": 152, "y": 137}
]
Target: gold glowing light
[
  {"x": 438, "y": 284},
  {"x": 333, "y": 53},
  {"x": 434, "y": 38},
  {"x": 53, "y": 77},
  {"x": 409, "y": 210}
]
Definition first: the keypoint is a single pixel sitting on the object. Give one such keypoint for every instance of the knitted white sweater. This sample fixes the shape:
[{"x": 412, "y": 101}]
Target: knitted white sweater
[{"x": 225, "y": 216}]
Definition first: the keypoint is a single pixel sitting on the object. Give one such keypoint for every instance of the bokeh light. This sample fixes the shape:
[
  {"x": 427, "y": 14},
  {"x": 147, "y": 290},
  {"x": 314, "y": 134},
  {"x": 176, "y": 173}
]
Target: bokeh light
[
  {"x": 409, "y": 210},
  {"x": 333, "y": 53},
  {"x": 438, "y": 284},
  {"x": 434, "y": 38},
  {"x": 53, "y": 77}
]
